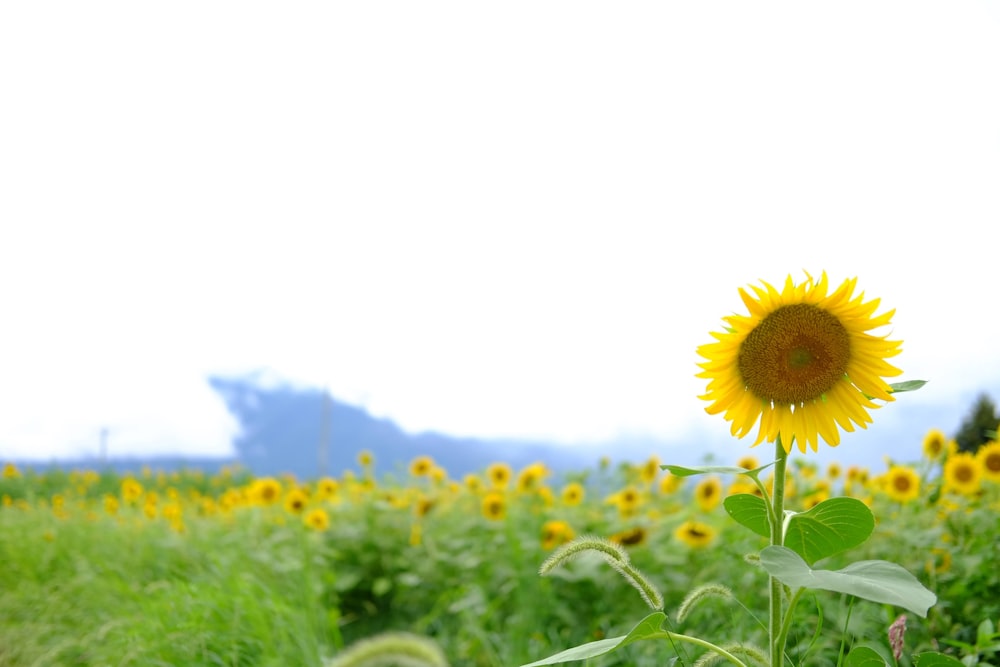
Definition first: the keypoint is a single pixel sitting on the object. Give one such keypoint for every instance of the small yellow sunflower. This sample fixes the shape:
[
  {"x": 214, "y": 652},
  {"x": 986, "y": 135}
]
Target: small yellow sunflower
[
  {"x": 748, "y": 462},
  {"x": 801, "y": 363},
  {"x": 499, "y": 475},
  {"x": 934, "y": 444},
  {"x": 573, "y": 494},
  {"x": 554, "y": 533},
  {"x": 632, "y": 537},
  {"x": 989, "y": 460},
  {"x": 708, "y": 493},
  {"x": 317, "y": 519},
  {"x": 494, "y": 506},
  {"x": 902, "y": 484},
  {"x": 650, "y": 470},
  {"x": 962, "y": 473},
  {"x": 296, "y": 501},
  {"x": 421, "y": 466},
  {"x": 695, "y": 534}
]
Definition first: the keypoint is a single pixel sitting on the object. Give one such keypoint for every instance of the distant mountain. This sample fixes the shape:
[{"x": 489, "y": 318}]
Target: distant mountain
[{"x": 306, "y": 432}]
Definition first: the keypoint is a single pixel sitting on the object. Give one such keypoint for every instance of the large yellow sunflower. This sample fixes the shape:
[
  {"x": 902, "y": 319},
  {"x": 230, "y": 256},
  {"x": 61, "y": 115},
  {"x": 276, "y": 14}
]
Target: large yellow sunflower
[{"x": 802, "y": 362}]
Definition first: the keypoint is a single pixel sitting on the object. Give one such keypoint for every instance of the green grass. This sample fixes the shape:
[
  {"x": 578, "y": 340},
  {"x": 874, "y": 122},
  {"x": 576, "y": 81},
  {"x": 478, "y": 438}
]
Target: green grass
[{"x": 256, "y": 587}]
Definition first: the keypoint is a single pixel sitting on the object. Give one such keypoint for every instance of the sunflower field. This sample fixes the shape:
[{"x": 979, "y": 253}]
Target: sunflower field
[{"x": 184, "y": 568}]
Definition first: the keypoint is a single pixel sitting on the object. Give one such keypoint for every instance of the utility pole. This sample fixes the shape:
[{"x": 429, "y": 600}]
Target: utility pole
[{"x": 326, "y": 416}]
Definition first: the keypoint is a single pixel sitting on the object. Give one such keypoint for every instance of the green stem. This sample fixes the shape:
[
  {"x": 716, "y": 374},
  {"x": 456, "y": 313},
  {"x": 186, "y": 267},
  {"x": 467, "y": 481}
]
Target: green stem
[
  {"x": 787, "y": 625},
  {"x": 843, "y": 637},
  {"x": 666, "y": 634},
  {"x": 777, "y": 538}
]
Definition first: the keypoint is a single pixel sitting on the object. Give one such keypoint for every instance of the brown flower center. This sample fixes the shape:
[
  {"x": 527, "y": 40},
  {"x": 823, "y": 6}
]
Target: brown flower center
[
  {"x": 901, "y": 482},
  {"x": 794, "y": 355},
  {"x": 992, "y": 462}
]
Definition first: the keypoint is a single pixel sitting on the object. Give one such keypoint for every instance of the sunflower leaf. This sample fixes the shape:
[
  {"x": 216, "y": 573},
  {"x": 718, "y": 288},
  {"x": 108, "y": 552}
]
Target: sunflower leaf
[
  {"x": 682, "y": 471},
  {"x": 864, "y": 656},
  {"x": 647, "y": 628},
  {"x": 934, "y": 659},
  {"x": 832, "y": 526},
  {"x": 909, "y": 385},
  {"x": 874, "y": 580},
  {"x": 749, "y": 511}
]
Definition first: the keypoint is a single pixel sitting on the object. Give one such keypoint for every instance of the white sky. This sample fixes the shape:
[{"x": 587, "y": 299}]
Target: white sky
[{"x": 511, "y": 218}]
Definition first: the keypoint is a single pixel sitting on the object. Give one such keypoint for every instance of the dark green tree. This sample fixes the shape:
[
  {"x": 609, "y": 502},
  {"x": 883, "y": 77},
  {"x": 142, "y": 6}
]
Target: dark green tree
[{"x": 982, "y": 418}]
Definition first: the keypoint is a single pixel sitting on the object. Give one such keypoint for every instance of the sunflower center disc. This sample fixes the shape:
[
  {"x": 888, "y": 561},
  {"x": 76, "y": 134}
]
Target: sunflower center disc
[{"x": 796, "y": 354}]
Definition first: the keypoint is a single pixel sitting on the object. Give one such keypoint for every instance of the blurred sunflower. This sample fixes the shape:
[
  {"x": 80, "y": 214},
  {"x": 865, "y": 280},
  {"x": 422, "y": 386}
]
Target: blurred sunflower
[
  {"x": 365, "y": 458},
  {"x": 318, "y": 519},
  {"x": 902, "y": 484},
  {"x": 573, "y": 494},
  {"x": 748, "y": 462},
  {"x": 265, "y": 491},
  {"x": 801, "y": 363},
  {"x": 421, "y": 466},
  {"x": 632, "y": 537},
  {"x": 494, "y": 506},
  {"x": 295, "y": 501},
  {"x": 695, "y": 534},
  {"x": 554, "y": 533},
  {"x": 962, "y": 473},
  {"x": 934, "y": 444},
  {"x": 531, "y": 477},
  {"x": 708, "y": 493},
  {"x": 649, "y": 470},
  {"x": 326, "y": 487},
  {"x": 989, "y": 460},
  {"x": 669, "y": 483},
  {"x": 499, "y": 475}
]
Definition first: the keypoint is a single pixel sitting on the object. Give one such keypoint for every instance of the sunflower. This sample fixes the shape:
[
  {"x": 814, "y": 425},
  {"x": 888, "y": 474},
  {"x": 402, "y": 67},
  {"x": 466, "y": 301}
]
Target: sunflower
[
  {"x": 989, "y": 460},
  {"x": 669, "y": 483},
  {"x": 632, "y": 537},
  {"x": 902, "y": 484},
  {"x": 934, "y": 444},
  {"x": 421, "y": 466},
  {"x": 554, "y": 533},
  {"x": 317, "y": 519},
  {"x": 265, "y": 491},
  {"x": 802, "y": 363},
  {"x": 499, "y": 475},
  {"x": 365, "y": 458},
  {"x": 695, "y": 534},
  {"x": 962, "y": 473},
  {"x": 708, "y": 493},
  {"x": 296, "y": 501},
  {"x": 494, "y": 506},
  {"x": 650, "y": 470},
  {"x": 326, "y": 487},
  {"x": 573, "y": 494},
  {"x": 748, "y": 462}
]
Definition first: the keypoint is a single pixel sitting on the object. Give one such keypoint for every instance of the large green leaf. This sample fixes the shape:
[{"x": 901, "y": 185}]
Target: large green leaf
[
  {"x": 933, "y": 659},
  {"x": 646, "y": 628},
  {"x": 875, "y": 580},
  {"x": 832, "y": 526},
  {"x": 864, "y": 656},
  {"x": 750, "y": 511}
]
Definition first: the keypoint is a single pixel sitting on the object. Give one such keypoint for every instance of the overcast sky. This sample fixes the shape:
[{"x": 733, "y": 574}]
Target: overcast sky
[{"x": 510, "y": 218}]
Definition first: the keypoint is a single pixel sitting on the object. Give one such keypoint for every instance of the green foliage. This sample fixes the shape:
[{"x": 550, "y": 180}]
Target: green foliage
[
  {"x": 832, "y": 526},
  {"x": 647, "y": 628},
  {"x": 976, "y": 428},
  {"x": 877, "y": 581}
]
